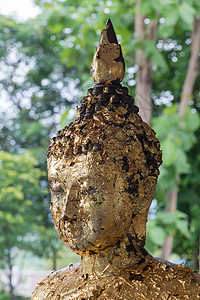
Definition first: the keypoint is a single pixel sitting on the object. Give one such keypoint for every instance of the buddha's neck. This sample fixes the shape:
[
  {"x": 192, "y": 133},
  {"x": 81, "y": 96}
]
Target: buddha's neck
[{"x": 127, "y": 254}]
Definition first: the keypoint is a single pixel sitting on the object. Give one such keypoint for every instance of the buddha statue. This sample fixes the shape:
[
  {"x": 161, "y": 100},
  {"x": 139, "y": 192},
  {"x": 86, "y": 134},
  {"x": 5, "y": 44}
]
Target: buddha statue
[{"x": 102, "y": 171}]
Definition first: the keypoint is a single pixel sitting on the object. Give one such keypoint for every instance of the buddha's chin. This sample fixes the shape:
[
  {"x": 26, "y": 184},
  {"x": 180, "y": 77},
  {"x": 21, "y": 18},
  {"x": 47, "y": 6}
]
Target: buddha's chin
[
  {"x": 91, "y": 244},
  {"x": 82, "y": 247},
  {"x": 79, "y": 241}
]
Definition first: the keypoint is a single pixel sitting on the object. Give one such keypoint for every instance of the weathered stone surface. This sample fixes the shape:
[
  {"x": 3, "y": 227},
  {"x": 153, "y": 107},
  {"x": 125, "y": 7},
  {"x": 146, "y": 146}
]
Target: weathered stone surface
[
  {"x": 108, "y": 63},
  {"x": 157, "y": 280}
]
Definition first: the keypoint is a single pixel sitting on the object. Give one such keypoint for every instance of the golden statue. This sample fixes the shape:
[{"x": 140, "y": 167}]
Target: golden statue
[{"x": 102, "y": 171}]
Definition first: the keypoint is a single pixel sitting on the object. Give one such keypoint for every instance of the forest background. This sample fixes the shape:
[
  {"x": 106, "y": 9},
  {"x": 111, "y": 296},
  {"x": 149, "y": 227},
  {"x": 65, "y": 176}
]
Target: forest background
[{"x": 44, "y": 72}]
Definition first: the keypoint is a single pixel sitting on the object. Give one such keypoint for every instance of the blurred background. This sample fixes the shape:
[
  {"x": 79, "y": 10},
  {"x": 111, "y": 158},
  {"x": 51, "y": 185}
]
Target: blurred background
[{"x": 46, "y": 50}]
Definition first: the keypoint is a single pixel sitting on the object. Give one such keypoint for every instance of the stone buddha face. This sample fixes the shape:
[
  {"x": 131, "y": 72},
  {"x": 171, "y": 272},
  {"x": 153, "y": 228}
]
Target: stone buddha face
[
  {"x": 89, "y": 205},
  {"x": 101, "y": 194}
]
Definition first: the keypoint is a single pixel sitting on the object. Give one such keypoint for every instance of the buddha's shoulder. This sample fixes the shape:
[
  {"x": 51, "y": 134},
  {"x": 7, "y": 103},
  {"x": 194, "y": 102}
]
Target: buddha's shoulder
[
  {"x": 68, "y": 278},
  {"x": 70, "y": 283},
  {"x": 163, "y": 280},
  {"x": 169, "y": 270},
  {"x": 156, "y": 280}
]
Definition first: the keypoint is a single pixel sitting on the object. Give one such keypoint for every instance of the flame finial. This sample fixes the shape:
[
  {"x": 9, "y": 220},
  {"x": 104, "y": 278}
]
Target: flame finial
[{"x": 108, "y": 63}]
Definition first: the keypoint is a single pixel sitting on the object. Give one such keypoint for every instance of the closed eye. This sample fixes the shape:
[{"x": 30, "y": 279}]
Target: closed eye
[{"x": 57, "y": 188}]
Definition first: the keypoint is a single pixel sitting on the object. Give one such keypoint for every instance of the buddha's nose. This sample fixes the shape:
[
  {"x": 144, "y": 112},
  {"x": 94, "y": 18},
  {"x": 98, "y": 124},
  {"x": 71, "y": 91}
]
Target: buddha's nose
[{"x": 71, "y": 204}]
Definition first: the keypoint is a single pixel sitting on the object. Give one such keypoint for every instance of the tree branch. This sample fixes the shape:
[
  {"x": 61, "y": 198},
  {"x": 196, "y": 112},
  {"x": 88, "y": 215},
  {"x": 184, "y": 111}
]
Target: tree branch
[
  {"x": 144, "y": 73},
  {"x": 193, "y": 68}
]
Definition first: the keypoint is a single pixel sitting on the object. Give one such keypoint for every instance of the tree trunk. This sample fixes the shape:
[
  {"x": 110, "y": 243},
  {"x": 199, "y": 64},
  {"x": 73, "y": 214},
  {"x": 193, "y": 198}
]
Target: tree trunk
[
  {"x": 187, "y": 91},
  {"x": 172, "y": 197},
  {"x": 196, "y": 256},
  {"x": 54, "y": 260},
  {"x": 144, "y": 73},
  {"x": 10, "y": 276},
  {"x": 193, "y": 68}
]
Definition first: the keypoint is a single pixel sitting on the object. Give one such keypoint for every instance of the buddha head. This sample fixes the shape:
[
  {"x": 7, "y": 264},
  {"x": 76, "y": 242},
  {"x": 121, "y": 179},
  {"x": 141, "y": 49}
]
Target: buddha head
[{"x": 102, "y": 171}]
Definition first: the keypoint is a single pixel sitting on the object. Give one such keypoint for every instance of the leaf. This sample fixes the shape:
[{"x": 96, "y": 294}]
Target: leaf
[
  {"x": 171, "y": 19},
  {"x": 192, "y": 120},
  {"x": 162, "y": 127},
  {"x": 159, "y": 60},
  {"x": 66, "y": 118},
  {"x": 180, "y": 215},
  {"x": 170, "y": 110},
  {"x": 167, "y": 179},
  {"x": 181, "y": 225},
  {"x": 169, "y": 150},
  {"x": 165, "y": 31},
  {"x": 153, "y": 53},
  {"x": 162, "y": 4},
  {"x": 157, "y": 235},
  {"x": 186, "y": 13},
  {"x": 187, "y": 139},
  {"x": 166, "y": 217},
  {"x": 181, "y": 164},
  {"x": 145, "y": 7},
  {"x": 135, "y": 44},
  {"x": 64, "y": 115},
  {"x": 65, "y": 54},
  {"x": 168, "y": 27}
]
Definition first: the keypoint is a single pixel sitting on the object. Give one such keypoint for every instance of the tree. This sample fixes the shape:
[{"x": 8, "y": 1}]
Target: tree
[
  {"x": 33, "y": 108},
  {"x": 146, "y": 38},
  {"x": 187, "y": 92},
  {"x": 177, "y": 137},
  {"x": 20, "y": 206}
]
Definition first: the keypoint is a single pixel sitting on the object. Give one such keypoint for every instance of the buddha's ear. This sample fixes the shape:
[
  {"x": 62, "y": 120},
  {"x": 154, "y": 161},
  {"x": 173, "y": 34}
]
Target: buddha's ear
[{"x": 138, "y": 228}]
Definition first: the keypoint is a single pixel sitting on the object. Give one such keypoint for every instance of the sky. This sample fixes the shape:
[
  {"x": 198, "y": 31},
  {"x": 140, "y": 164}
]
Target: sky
[{"x": 21, "y": 9}]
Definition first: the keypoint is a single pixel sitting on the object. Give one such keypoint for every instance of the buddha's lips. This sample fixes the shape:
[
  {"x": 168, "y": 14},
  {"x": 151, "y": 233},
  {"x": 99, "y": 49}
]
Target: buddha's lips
[{"x": 68, "y": 219}]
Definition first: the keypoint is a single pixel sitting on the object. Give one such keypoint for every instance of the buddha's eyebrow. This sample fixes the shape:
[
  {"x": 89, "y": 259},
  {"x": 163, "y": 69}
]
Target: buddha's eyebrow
[
  {"x": 50, "y": 179},
  {"x": 53, "y": 180}
]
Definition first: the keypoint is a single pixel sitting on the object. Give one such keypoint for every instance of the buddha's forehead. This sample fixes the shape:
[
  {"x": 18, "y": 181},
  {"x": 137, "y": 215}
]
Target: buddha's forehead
[
  {"x": 77, "y": 168},
  {"x": 62, "y": 168}
]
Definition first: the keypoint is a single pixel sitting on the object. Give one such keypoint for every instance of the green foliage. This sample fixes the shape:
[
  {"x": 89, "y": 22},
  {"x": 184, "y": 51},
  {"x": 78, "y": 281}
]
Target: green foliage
[
  {"x": 178, "y": 140},
  {"x": 65, "y": 257},
  {"x": 176, "y": 135},
  {"x": 152, "y": 53},
  {"x": 66, "y": 118},
  {"x": 5, "y": 296},
  {"x": 176, "y": 14},
  {"x": 20, "y": 201},
  {"x": 188, "y": 202},
  {"x": 47, "y": 243},
  {"x": 166, "y": 224}
]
